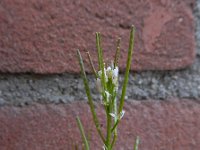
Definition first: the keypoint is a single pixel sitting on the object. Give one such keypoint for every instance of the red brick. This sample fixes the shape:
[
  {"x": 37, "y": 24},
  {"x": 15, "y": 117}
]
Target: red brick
[
  {"x": 42, "y": 36},
  {"x": 161, "y": 125}
]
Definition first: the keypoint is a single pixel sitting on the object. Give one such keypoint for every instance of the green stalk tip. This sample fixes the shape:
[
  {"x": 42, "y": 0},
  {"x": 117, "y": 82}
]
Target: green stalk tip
[
  {"x": 128, "y": 65},
  {"x": 85, "y": 141},
  {"x": 91, "y": 64},
  {"x": 117, "y": 53}
]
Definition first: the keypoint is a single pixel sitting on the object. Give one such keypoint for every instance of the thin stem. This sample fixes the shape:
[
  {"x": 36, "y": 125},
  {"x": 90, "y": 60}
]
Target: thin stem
[
  {"x": 114, "y": 128},
  {"x": 117, "y": 52},
  {"x": 101, "y": 64},
  {"x": 128, "y": 65},
  {"x": 101, "y": 61},
  {"x": 114, "y": 140},
  {"x": 87, "y": 89},
  {"x": 109, "y": 123},
  {"x": 115, "y": 108},
  {"x": 83, "y": 134},
  {"x": 136, "y": 143},
  {"x": 111, "y": 109},
  {"x": 92, "y": 65},
  {"x": 115, "y": 121},
  {"x": 98, "y": 50},
  {"x": 115, "y": 125}
]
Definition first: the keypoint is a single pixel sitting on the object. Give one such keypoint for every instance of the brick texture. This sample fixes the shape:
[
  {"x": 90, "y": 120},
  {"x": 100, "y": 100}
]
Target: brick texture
[
  {"x": 161, "y": 125},
  {"x": 42, "y": 36}
]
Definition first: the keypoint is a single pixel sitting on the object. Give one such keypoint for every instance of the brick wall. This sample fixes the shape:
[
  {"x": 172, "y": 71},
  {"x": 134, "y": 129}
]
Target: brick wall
[{"x": 41, "y": 90}]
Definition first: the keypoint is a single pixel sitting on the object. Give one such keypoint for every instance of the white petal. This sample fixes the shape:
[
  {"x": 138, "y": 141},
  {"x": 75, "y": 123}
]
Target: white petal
[
  {"x": 108, "y": 68},
  {"x": 116, "y": 72},
  {"x": 113, "y": 115},
  {"x": 121, "y": 114}
]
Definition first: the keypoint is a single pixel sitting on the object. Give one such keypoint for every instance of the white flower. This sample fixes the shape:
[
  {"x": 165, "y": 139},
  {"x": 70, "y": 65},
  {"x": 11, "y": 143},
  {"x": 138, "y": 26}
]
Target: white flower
[
  {"x": 118, "y": 117},
  {"x": 111, "y": 74},
  {"x": 116, "y": 72}
]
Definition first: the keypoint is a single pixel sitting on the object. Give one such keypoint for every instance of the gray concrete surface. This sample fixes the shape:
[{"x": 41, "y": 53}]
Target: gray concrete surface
[{"x": 24, "y": 89}]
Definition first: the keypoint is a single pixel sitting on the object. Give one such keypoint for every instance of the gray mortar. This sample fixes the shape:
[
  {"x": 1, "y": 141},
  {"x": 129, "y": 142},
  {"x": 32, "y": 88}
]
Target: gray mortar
[
  {"x": 197, "y": 19},
  {"x": 23, "y": 89}
]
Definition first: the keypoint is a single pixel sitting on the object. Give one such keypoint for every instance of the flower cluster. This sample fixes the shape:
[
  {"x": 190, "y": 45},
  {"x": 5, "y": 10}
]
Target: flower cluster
[
  {"x": 111, "y": 76},
  {"x": 111, "y": 81}
]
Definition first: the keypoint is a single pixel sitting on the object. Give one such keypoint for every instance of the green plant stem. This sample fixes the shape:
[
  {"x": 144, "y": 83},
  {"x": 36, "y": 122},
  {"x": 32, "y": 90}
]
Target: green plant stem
[
  {"x": 115, "y": 122},
  {"x": 98, "y": 50},
  {"x": 128, "y": 65},
  {"x": 115, "y": 98},
  {"x": 85, "y": 81},
  {"x": 114, "y": 140},
  {"x": 112, "y": 109},
  {"x": 115, "y": 136},
  {"x": 115, "y": 126},
  {"x": 101, "y": 65},
  {"x": 109, "y": 124},
  {"x": 83, "y": 134},
  {"x": 130, "y": 51},
  {"x": 100, "y": 59},
  {"x": 117, "y": 52}
]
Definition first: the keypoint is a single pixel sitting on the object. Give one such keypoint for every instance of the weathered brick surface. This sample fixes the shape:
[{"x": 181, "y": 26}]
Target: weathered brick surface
[
  {"x": 41, "y": 36},
  {"x": 161, "y": 125}
]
